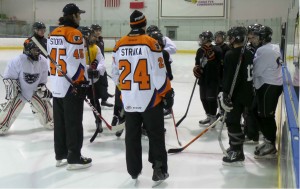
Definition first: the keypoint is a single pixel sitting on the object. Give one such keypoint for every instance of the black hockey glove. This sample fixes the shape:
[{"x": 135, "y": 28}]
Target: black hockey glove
[
  {"x": 168, "y": 100},
  {"x": 94, "y": 64},
  {"x": 43, "y": 92},
  {"x": 80, "y": 89},
  {"x": 93, "y": 73},
  {"x": 225, "y": 101},
  {"x": 197, "y": 71}
]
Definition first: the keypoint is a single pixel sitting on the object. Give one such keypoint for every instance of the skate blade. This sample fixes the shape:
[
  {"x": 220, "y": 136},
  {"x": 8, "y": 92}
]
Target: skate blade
[
  {"x": 269, "y": 156},
  {"x": 157, "y": 183},
  {"x": 234, "y": 164}
]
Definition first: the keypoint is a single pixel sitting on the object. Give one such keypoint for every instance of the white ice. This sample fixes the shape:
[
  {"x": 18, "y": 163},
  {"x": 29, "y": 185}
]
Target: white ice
[{"x": 27, "y": 153}]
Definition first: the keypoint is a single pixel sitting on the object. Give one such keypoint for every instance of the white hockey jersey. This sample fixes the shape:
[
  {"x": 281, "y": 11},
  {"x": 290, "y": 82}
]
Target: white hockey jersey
[
  {"x": 29, "y": 73},
  {"x": 266, "y": 66},
  {"x": 139, "y": 68},
  {"x": 65, "y": 46}
]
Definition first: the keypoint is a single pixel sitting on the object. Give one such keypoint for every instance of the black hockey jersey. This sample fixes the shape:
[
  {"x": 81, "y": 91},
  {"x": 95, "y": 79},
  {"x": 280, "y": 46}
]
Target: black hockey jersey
[{"x": 243, "y": 89}]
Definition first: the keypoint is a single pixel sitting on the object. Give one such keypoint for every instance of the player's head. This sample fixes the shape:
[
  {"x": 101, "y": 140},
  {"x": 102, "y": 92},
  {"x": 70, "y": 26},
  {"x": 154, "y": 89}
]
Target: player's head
[
  {"x": 251, "y": 37},
  {"x": 237, "y": 34},
  {"x": 264, "y": 33},
  {"x": 205, "y": 37},
  {"x": 138, "y": 20},
  {"x": 97, "y": 29},
  {"x": 39, "y": 28},
  {"x": 71, "y": 12},
  {"x": 31, "y": 50},
  {"x": 159, "y": 37},
  {"x": 151, "y": 29},
  {"x": 220, "y": 37},
  {"x": 88, "y": 34}
]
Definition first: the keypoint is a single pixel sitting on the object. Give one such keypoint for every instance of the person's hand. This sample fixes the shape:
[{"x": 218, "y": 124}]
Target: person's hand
[
  {"x": 93, "y": 73},
  {"x": 43, "y": 92},
  {"x": 168, "y": 99},
  {"x": 80, "y": 89},
  {"x": 197, "y": 71}
]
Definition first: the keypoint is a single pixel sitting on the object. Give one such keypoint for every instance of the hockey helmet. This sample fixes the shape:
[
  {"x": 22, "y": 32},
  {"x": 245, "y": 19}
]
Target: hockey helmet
[
  {"x": 151, "y": 29},
  {"x": 86, "y": 31},
  {"x": 38, "y": 26},
  {"x": 238, "y": 33},
  {"x": 96, "y": 27},
  {"x": 31, "y": 50},
  {"x": 253, "y": 27},
  {"x": 220, "y": 33},
  {"x": 264, "y": 33},
  {"x": 205, "y": 37},
  {"x": 159, "y": 37}
]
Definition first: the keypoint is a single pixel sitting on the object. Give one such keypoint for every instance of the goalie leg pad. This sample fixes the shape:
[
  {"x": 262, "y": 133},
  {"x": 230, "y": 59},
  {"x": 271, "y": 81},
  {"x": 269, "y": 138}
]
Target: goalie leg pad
[
  {"x": 9, "y": 112},
  {"x": 43, "y": 111}
]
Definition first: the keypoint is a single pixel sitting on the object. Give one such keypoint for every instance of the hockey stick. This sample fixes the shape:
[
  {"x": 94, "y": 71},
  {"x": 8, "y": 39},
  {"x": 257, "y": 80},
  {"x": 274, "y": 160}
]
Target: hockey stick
[
  {"x": 175, "y": 127},
  {"x": 176, "y": 150},
  {"x": 93, "y": 92},
  {"x": 230, "y": 94},
  {"x": 178, "y": 123},
  {"x": 115, "y": 128}
]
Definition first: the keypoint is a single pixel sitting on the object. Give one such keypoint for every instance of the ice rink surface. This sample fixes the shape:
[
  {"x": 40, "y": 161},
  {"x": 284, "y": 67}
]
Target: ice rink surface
[{"x": 27, "y": 150}]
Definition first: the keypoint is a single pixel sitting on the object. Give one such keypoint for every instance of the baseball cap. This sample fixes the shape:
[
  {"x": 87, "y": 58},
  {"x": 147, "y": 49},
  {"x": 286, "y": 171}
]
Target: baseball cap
[{"x": 71, "y": 8}]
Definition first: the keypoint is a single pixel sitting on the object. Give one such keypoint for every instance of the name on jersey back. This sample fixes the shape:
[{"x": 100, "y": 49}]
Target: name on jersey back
[{"x": 131, "y": 51}]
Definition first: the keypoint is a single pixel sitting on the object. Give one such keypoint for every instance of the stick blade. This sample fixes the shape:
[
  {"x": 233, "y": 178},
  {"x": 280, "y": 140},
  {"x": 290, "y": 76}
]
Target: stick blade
[
  {"x": 175, "y": 150},
  {"x": 178, "y": 122}
]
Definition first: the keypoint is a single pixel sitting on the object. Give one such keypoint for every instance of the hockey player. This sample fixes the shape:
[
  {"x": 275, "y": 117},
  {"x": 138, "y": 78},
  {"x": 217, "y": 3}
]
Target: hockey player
[
  {"x": 169, "y": 44},
  {"x": 25, "y": 79},
  {"x": 242, "y": 95},
  {"x": 267, "y": 77},
  {"x": 97, "y": 29},
  {"x": 67, "y": 48},
  {"x": 95, "y": 67},
  {"x": 139, "y": 69},
  {"x": 39, "y": 29},
  {"x": 207, "y": 64}
]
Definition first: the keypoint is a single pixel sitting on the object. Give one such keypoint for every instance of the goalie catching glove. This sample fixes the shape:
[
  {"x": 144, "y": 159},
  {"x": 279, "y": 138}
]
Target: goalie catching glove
[
  {"x": 43, "y": 92},
  {"x": 168, "y": 100},
  {"x": 12, "y": 87},
  {"x": 197, "y": 71},
  {"x": 225, "y": 101}
]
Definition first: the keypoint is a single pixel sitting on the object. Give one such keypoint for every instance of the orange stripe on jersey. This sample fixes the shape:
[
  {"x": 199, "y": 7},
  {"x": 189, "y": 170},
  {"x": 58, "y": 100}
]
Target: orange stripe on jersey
[
  {"x": 138, "y": 40},
  {"x": 72, "y": 35},
  {"x": 79, "y": 76}
]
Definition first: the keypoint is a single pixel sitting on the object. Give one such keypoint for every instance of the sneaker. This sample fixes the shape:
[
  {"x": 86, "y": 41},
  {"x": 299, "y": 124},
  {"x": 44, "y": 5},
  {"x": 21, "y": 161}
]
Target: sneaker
[
  {"x": 205, "y": 121},
  {"x": 212, "y": 119},
  {"x": 105, "y": 103},
  {"x": 265, "y": 151},
  {"x": 236, "y": 158},
  {"x": 82, "y": 163},
  {"x": 167, "y": 113},
  {"x": 250, "y": 141},
  {"x": 60, "y": 163},
  {"x": 114, "y": 120}
]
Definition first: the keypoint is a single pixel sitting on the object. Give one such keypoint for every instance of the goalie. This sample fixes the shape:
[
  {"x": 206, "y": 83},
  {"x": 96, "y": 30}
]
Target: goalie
[{"x": 25, "y": 80}]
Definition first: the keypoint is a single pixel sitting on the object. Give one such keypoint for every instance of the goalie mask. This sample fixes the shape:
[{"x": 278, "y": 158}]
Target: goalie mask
[{"x": 31, "y": 50}]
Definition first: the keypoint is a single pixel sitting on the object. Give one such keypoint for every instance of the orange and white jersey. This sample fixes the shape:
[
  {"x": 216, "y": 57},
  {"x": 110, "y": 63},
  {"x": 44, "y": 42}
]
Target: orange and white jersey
[
  {"x": 65, "y": 46},
  {"x": 138, "y": 67}
]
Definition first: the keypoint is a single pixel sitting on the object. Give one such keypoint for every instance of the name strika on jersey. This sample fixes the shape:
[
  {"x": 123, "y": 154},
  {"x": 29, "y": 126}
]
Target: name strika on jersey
[
  {"x": 56, "y": 41},
  {"x": 131, "y": 51}
]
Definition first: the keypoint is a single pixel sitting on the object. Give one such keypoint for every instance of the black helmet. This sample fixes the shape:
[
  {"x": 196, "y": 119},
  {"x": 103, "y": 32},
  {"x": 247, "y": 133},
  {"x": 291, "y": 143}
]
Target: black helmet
[
  {"x": 238, "y": 32},
  {"x": 86, "y": 31},
  {"x": 28, "y": 46},
  {"x": 253, "y": 27},
  {"x": 38, "y": 25},
  {"x": 96, "y": 27},
  {"x": 151, "y": 29},
  {"x": 206, "y": 35},
  {"x": 264, "y": 33},
  {"x": 220, "y": 33},
  {"x": 159, "y": 37}
]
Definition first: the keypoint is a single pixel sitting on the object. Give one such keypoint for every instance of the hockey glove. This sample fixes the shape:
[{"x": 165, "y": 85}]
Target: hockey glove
[
  {"x": 197, "y": 71},
  {"x": 93, "y": 73},
  {"x": 94, "y": 64},
  {"x": 43, "y": 92},
  {"x": 168, "y": 100},
  {"x": 80, "y": 89},
  {"x": 225, "y": 101},
  {"x": 12, "y": 87}
]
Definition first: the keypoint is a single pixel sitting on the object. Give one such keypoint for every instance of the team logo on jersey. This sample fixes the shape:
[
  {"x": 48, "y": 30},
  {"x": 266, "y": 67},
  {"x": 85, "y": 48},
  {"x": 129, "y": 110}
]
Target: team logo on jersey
[
  {"x": 30, "y": 78},
  {"x": 77, "y": 38}
]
